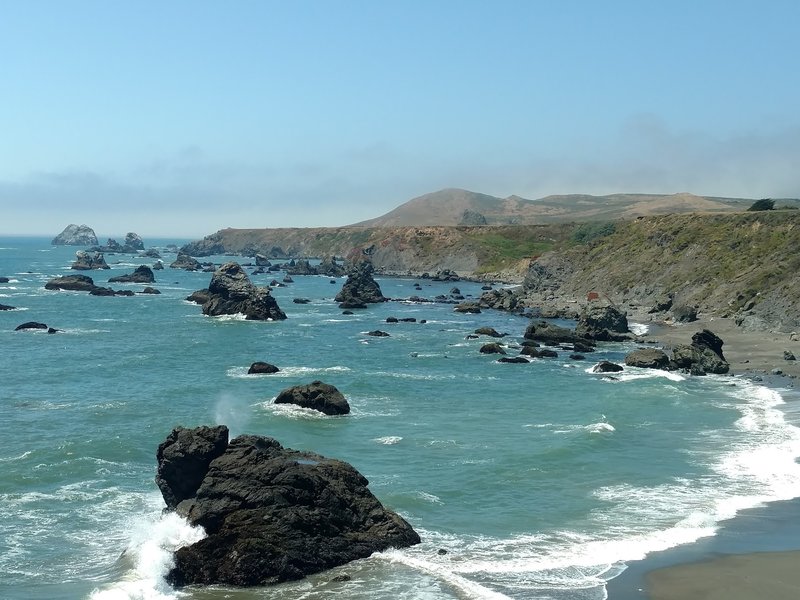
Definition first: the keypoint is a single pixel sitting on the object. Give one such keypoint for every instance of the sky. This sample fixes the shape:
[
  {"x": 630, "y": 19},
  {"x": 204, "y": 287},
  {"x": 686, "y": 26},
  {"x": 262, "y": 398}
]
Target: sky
[{"x": 181, "y": 118}]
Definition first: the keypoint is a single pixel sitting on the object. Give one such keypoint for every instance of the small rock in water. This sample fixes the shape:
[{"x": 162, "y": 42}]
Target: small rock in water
[{"x": 788, "y": 355}]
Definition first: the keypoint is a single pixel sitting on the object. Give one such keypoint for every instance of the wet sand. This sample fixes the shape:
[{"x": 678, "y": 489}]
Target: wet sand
[{"x": 772, "y": 575}]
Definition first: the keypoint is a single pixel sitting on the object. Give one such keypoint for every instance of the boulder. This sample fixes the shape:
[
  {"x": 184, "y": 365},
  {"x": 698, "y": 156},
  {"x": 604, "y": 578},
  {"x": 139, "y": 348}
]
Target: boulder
[
  {"x": 513, "y": 359},
  {"x": 605, "y": 366},
  {"x": 472, "y": 308},
  {"x": 301, "y": 300},
  {"x": 4, "y": 279},
  {"x": 378, "y": 333},
  {"x": 602, "y": 323},
  {"x": 703, "y": 355},
  {"x": 647, "y": 358},
  {"x": 262, "y": 261},
  {"x": 142, "y": 274},
  {"x": 501, "y": 299},
  {"x": 84, "y": 261},
  {"x": 360, "y": 288},
  {"x": 186, "y": 262},
  {"x": 75, "y": 235},
  {"x": 158, "y": 266},
  {"x": 7, "y": 307},
  {"x": 199, "y": 296},
  {"x": 543, "y": 331},
  {"x": 30, "y": 325},
  {"x": 262, "y": 368},
  {"x": 317, "y": 396},
  {"x": 788, "y": 355},
  {"x": 231, "y": 292},
  {"x": 271, "y": 514},
  {"x": 152, "y": 253},
  {"x": 78, "y": 283},
  {"x": 684, "y": 313},
  {"x": 150, "y": 290}
]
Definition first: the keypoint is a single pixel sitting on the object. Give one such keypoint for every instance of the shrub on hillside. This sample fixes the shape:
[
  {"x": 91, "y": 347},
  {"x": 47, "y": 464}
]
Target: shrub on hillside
[{"x": 763, "y": 204}]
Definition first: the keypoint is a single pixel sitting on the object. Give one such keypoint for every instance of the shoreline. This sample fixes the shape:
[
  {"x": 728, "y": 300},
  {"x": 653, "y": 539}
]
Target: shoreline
[{"x": 757, "y": 552}]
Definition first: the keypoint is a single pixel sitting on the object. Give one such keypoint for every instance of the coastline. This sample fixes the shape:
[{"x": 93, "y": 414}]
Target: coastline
[{"x": 756, "y": 553}]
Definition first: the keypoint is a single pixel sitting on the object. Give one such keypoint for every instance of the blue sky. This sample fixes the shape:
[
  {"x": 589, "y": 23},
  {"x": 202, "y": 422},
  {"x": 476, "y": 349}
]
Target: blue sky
[{"x": 184, "y": 117}]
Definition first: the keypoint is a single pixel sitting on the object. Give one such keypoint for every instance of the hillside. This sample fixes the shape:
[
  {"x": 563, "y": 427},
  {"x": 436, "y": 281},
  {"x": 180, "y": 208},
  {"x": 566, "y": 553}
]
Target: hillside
[
  {"x": 452, "y": 207},
  {"x": 745, "y": 264}
]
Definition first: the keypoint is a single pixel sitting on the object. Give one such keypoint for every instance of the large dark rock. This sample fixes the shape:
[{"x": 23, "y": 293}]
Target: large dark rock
[
  {"x": 78, "y": 283},
  {"x": 3, "y": 279},
  {"x": 75, "y": 235},
  {"x": 328, "y": 266},
  {"x": 142, "y": 274},
  {"x": 360, "y": 288},
  {"x": 543, "y": 331},
  {"x": 133, "y": 241},
  {"x": 490, "y": 331},
  {"x": 317, "y": 396},
  {"x": 602, "y": 323},
  {"x": 647, "y": 358},
  {"x": 605, "y": 366},
  {"x": 262, "y": 368},
  {"x": 492, "y": 348},
  {"x": 7, "y": 307},
  {"x": 84, "y": 261},
  {"x": 271, "y": 514},
  {"x": 231, "y": 292},
  {"x": 703, "y": 355},
  {"x": 501, "y": 299}
]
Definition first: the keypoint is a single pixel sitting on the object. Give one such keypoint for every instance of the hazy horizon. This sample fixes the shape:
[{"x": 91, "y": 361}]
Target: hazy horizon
[{"x": 183, "y": 118}]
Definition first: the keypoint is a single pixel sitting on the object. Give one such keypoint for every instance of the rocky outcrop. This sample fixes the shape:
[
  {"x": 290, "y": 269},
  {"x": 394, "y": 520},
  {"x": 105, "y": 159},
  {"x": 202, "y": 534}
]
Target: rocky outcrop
[
  {"x": 271, "y": 514},
  {"x": 502, "y": 299},
  {"x": 133, "y": 244},
  {"x": 133, "y": 241},
  {"x": 703, "y": 355},
  {"x": 186, "y": 262},
  {"x": 75, "y": 235},
  {"x": 84, "y": 261},
  {"x": 543, "y": 331},
  {"x": 262, "y": 368},
  {"x": 360, "y": 288},
  {"x": 647, "y": 358},
  {"x": 142, "y": 274},
  {"x": 492, "y": 348},
  {"x": 77, "y": 283},
  {"x": 489, "y": 331},
  {"x": 317, "y": 396},
  {"x": 603, "y": 323},
  {"x": 231, "y": 292},
  {"x": 7, "y": 307}
]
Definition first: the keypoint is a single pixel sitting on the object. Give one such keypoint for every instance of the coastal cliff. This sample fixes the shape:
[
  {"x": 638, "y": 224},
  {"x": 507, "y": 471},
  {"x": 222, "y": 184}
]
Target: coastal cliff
[{"x": 743, "y": 265}]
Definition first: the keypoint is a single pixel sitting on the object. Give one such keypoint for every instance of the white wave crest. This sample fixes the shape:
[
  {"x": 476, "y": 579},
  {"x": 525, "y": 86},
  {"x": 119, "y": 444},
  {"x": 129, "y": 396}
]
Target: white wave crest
[{"x": 388, "y": 440}]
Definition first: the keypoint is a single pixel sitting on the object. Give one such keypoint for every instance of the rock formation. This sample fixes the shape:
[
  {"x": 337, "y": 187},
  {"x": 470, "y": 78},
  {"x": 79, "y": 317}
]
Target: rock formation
[
  {"x": 30, "y": 325},
  {"x": 271, "y": 514},
  {"x": 542, "y": 331},
  {"x": 84, "y": 261},
  {"x": 317, "y": 396},
  {"x": 75, "y": 235},
  {"x": 142, "y": 274},
  {"x": 647, "y": 358},
  {"x": 605, "y": 366},
  {"x": 360, "y": 288},
  {"x": 7, "y": 307},
  {"x": 262, "y": 368},
  {"x": 77, "y": 283},
  {"x": 603, "y": 323},
  {"x": 703, "y": 355},
  {"x": 231, "y": 292}
]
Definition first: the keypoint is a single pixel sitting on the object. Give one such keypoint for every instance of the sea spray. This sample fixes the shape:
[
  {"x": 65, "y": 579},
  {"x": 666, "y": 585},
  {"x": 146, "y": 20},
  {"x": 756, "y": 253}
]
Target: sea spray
[{"x": 148, "y": 558}]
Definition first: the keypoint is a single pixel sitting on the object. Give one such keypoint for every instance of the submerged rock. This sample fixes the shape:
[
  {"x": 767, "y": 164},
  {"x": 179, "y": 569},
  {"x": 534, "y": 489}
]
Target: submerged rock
[
  {"x": 262, "y": 368},
  {"x": 30, "y": 325},
  {"x": 647, "y": 358},
  {"x": 271, "y": 514},
  {"x": 605, "y": 366}
]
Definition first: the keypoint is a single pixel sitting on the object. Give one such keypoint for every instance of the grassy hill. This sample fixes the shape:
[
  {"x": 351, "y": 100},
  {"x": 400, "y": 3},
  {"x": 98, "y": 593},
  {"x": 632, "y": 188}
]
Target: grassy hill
[
  {"x": 452, "y": 207},
  {"x": 723, "y": 264}
]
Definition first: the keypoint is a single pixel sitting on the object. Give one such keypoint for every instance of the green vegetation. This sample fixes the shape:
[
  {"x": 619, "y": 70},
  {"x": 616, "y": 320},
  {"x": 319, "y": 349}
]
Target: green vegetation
[
  {"x": 588, "y": 232},
  {"x": 763, "y": 204}
]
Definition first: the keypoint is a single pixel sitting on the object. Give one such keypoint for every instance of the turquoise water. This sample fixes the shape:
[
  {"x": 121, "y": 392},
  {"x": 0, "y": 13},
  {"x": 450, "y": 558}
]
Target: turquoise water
[{"x": 539, "y": 480}]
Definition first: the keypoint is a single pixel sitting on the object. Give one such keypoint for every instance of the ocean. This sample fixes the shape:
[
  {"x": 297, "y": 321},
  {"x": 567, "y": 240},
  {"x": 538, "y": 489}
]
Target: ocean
[{"x": 540, "y": 480}]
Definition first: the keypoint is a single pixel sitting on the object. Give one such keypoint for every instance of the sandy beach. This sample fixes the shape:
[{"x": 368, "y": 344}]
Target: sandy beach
[
  {"x": 755, "y": 555},
  {"x": 772, "y": 575}
]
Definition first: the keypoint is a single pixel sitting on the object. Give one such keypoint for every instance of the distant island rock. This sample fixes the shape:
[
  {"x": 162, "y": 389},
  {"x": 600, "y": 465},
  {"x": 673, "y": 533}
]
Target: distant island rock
[
  {"x": 186, "y": 262},
  {"x": 231, "y": 292},
  {"x": 75, "y": 235},
  {"x": 133, "y": 245},
  {"x": 271, "y": 514}
]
